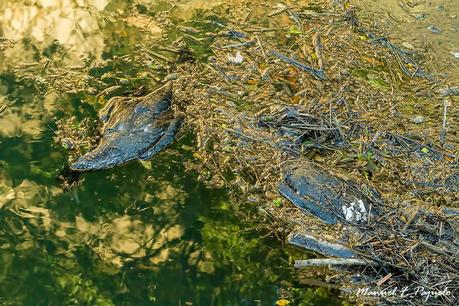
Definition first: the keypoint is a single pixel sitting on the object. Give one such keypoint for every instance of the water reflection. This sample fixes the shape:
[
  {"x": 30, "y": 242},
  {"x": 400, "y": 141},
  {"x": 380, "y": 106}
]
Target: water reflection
[
  {"x": 74, "y": 24},
  {"x": 125, "y": 236}
]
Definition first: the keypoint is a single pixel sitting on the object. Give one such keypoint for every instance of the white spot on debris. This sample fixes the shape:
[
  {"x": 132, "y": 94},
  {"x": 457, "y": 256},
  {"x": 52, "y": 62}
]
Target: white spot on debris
[
  {"x": 238, "y": 59},
  {"x": 355, "y": 211}
]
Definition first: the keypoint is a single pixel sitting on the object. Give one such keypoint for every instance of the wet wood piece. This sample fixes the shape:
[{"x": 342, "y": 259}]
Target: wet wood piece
[
  {"x": 317, "y": 262},
  {"x": 320, "y": 245},
  {"x": 318, "y": 74}
]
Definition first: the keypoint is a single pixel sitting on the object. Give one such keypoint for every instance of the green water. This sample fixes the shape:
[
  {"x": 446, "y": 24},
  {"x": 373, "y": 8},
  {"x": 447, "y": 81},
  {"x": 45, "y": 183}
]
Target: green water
[
  {"x": 127, "y": 237},
  {"x": 141, "y": 234}
]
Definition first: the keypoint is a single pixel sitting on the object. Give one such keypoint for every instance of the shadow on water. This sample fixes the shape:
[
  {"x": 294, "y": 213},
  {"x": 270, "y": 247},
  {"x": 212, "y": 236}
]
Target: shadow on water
[
  {"x": 125, "y": 237},
  {"x": 142, "y": 234}
]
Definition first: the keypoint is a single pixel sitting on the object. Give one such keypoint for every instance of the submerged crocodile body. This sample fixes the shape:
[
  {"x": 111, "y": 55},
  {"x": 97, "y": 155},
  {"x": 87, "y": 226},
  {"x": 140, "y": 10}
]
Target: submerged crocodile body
[
  {"x": 331, "y": 199},
  {"x": 134, "y": 128}
]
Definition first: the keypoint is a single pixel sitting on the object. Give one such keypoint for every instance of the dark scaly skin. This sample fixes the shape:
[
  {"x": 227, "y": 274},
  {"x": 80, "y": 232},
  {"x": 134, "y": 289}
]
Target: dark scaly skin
[
  {"x": 317, "y": 192},
  {"x": 134, "y": 128},
  {"x": 322, "y": 195}
]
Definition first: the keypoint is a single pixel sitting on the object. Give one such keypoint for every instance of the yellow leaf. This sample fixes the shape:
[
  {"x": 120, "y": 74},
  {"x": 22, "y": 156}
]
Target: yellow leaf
[
  {"x": 347, "y": 5},
  {"x": 282, "y": 302},
  {"x": 197, "y": 155}
]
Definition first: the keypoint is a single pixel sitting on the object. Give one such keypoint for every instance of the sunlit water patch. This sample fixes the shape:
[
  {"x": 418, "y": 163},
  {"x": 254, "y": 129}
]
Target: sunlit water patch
[{"x": 430, "y": 28}]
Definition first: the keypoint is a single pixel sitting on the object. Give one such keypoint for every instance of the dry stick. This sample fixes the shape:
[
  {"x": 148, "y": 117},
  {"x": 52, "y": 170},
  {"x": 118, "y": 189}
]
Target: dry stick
[
  {"x": 384, "y": 279},
  {"x": 264, "y": 30},
  {"x": 450, "y": 91},
  {"x": 410, "y": 220},
  {"x": 450, "y": 269},
  {"x": 434, "y": 248},
  {"x": 317, "y": 14},
  {"x": 244, "y": 20},
  {"x": 261, "y": 46},
  {"x": 317, "y": 262},
  {"x": 216, "y": 68},
  {"x": 3, "y": 108},
  {"x": 157, "y": 55},
  {"x": 170, "y": 49},
  {"x": 295, "y": 18},
  {"x": 243, "y": 44},
  {"x": 318, "y": 50},
  {"x": 278, "y": 11},
  {"x": 193, "y": 38},
  {"x": 318, "y": 74},
  {"x": 379, "y": 261},
  {"x": 443, "y": 127}
]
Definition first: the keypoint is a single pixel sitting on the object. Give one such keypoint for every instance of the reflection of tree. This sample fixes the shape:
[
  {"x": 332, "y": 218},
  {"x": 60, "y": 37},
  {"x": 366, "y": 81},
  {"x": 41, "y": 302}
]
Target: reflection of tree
[
  {"x": 78, "y": 248},
  {"x": 56, "y": 241},
  {"x": 126, "y": 232}
]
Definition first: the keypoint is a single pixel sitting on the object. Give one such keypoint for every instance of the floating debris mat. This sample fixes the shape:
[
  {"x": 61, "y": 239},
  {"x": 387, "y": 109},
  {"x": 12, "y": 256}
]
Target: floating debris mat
[
  {"x": 380, "y": 247},
  {"x": 424, "y": 165},
  {"x": 310, "y": 131},
  {"x": 405, "y": 59}
]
